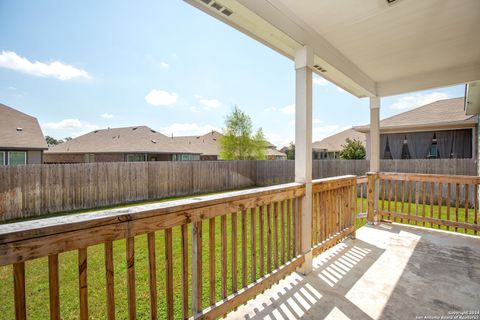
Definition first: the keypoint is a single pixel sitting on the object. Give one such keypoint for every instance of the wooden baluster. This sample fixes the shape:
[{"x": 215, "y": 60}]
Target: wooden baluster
[
  {"x": 197, "y": 277},
  {"x": 382, "y": 192},
  {"x": 211, "y": 254},
  {"x": 440, "y": 202},
  {"x": 417, "y": 200},
  {"x": 19, "y": 291},
  {"x": 467, "y": 204},
  {"x": 132, "y": 306},
  {"x": 361, "y": 198},
  {"x": 299, "y": 224},
  {"x": 253, "y": 244},
  {"x": 314, "y": 221},
  {"x": 424, "y": 200},
  {"x": 169, "y": 272},
  {"x": 448, "y": 200},
  {"x": 262, "y": 240},
  {"x": 395, "y": 196},
  {"x": 389, "y": 196},
  {"x": 224, "y": 255},
  {"x": 82, "y": 283},
  {"x": 409, "y": 200},
  {"x": 269, "y": 237},
  {"x": 234, "y": 252},
  {"x": 53, "y": 287},
  {"x": 244, "y": 248},
  {"x": 275, "y": 235},
  {"x": 185, "y": 312},
  {"x": 319, "y": 221},
  {"x": 289, "y": 236},
  {"x": 282, "y": 230},
  {"x": 475, "y": 205},
  {"x": 457, "y": 204},
  {"x": 109, "y": 275},
  {"x": 432, "y": 201},
  {"x": 402, "y": 207}
]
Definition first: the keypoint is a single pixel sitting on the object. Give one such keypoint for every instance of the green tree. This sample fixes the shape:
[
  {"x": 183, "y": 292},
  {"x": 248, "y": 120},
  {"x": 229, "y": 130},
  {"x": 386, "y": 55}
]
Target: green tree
[
  {"x": 290, "y": 151},
  {"x": 51, "y": 141},
  {"x": 352, "y": 150},
  {"x": 238, "y": 141}
]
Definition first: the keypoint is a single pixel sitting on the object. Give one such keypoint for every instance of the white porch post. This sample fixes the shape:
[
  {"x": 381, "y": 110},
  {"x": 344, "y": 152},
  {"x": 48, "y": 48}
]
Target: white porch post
[
  {"x": 303, "y": 147},
  {"x": 374, "y": 134},
  {"x": 374, "y": 158}
]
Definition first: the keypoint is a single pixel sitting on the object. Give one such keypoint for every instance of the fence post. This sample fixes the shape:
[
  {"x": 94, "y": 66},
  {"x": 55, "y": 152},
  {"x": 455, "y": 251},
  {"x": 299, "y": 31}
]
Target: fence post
[{"x": 371, "y": 214}]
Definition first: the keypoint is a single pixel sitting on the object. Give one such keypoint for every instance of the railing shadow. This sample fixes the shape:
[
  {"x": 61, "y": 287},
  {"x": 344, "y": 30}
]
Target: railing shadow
[{"x": 321, "y": 294}]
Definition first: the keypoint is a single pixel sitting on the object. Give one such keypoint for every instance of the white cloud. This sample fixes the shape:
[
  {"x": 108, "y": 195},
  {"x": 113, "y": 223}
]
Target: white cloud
[
  {"x": 180, "y": 129},
  {"x": 319, "y": 81},
  {"x": 106, "y": 116},
  {"x": 69, "y": 127},
  {"x": 210, "y": 103},
  {"x": 161, "y": 98},
  {"x": 321, "y": 132},
  {"x": 279, "y": 140},
  {"x": 164, "y": 65},
  {"x": 56, "y": 69},
  {"x": 412, "y": 101},
  {"x": 290, "y": 109},
  {"x": 194, "y": 109},
  {"x": 316, "y": 121},
  {"x": 270, "y": 109}
]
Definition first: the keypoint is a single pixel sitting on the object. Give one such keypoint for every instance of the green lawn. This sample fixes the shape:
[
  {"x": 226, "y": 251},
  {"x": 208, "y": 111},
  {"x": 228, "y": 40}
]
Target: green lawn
[
  {"x": 37, "y": 275},
  {"x": 37, "y": 272},
  {"x": 434, "y": 211}
]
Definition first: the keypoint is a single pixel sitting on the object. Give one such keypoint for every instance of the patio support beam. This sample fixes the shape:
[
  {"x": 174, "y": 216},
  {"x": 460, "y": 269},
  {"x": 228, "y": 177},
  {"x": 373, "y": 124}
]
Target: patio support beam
[
  {"x": 303, "y": 148},
  {"x": 375, "y": 146}
]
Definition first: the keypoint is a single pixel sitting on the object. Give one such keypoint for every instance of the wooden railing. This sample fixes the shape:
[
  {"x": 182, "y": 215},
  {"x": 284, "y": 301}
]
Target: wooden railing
[
  {"x": 333, "y": 215},
  {"x": 219, "y": 251},
  {"x": 362, "y": 204},
  {"x": 439, "y": 201}
]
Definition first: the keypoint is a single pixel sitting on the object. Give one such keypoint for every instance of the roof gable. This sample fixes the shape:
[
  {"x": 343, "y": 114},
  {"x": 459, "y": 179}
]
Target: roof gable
[{"x": 19, "y": 130}]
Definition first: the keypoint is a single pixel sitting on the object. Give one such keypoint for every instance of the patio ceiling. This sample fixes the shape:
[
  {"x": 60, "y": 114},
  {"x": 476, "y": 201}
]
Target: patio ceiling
[{"x": 372, "y": 49}]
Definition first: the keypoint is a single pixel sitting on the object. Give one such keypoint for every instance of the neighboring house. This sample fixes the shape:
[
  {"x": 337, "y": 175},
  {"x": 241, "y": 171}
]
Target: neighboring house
[
  {"x": 436, "y": 130},
  {"x": 209, "y": 146},
  {"x": 329, "y": 147},
  {"x": 120, "y": 144},
  {"x": 21, "y": 139},
  {"x": 138, "y": 144},
  {"x": 274, "y": 154}
]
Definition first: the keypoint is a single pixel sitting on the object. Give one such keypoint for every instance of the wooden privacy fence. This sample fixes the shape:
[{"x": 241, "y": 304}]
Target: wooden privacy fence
[
  {"x": 35, "y": 190},
  {"x": 448, "y": 202},
  {"x": 252, "y": 240}
]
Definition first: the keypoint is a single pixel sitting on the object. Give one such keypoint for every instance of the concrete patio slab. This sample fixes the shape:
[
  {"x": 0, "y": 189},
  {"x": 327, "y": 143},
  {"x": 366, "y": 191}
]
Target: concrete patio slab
[{"x": 390, "y": 271}]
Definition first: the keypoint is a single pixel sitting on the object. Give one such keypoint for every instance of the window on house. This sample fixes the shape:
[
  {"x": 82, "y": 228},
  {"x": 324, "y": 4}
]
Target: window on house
[
  {"x": 2, "y": 158},
  {"x": 388, "y": 153},
  {"x": 134, "y": 157},
  {"x": 17, "y": 158},
  {"x": 89, "y": 157}
]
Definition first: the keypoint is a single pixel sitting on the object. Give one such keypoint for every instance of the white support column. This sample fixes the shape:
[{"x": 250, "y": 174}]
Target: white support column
[
  {"x": 375, "y": 145},
  {"x": 374, "y": 134},
  {"x": 303, "y": 147}
]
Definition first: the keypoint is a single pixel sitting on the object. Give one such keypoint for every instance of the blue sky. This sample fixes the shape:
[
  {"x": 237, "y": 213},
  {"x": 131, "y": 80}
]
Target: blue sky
[{"x": 78, "y": 66}]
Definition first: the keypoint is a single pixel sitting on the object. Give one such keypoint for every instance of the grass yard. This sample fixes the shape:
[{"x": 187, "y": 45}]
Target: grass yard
[
  {"x": 37, "y": 275},
  {"x": 434, "y": 211},
  {"x": 37, "y": 271}
]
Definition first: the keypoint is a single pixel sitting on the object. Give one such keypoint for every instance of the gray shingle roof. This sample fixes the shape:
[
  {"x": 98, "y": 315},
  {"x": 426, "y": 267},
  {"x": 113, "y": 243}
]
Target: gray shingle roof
[
  {"x": 335, "y": 142},
  {"x": 141, "y": 139},
  {"x": 19, "y": 130},
  {"x": 448, "y": 112}
]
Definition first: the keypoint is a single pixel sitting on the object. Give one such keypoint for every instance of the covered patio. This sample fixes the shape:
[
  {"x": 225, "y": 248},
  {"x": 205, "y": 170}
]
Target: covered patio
[
  {"x": 220, "y": 252},
  {"x": 390, "y": 271}
]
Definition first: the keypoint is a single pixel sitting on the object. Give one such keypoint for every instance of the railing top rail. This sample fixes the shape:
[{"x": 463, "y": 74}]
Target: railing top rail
[
  {"x": 229, "y": 201},
  {"x": 332, "y": 179},
  {"x": 429, "y": 177},
  {"x": 325, "y": 184}
]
